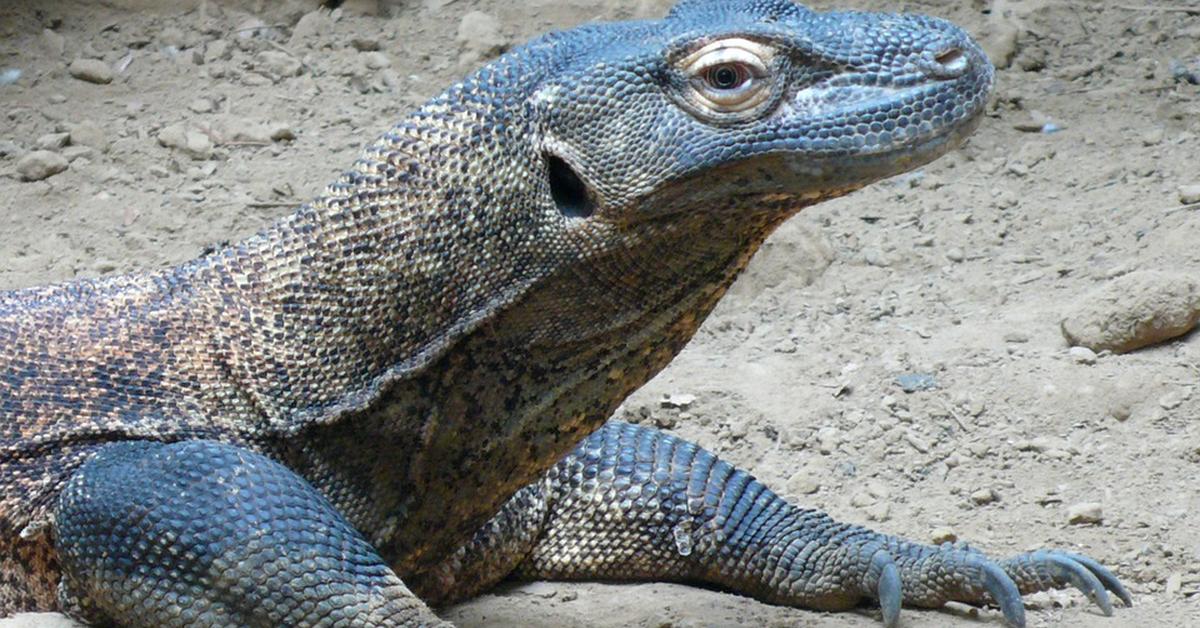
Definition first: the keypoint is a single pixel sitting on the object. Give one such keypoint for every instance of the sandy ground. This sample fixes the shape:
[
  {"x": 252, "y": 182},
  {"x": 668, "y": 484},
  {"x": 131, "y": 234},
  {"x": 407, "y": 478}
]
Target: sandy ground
[{"x": 961, "y": 272}]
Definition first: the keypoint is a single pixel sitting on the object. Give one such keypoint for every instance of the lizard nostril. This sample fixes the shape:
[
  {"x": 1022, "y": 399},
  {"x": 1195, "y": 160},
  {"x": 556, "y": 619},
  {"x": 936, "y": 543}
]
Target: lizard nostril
[{"x": 953, "y": 61}]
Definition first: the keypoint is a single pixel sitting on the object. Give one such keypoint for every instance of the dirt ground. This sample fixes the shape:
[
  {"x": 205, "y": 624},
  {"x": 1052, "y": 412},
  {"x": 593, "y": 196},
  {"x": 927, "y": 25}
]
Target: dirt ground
[{"x": 221, "y": 116}]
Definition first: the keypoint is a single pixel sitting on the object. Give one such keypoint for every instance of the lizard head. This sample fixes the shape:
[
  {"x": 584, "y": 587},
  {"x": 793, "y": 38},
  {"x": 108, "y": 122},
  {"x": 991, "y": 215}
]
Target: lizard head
[
  {"x": 661, "y": 153},
  {"x": 728, "y": 99}
]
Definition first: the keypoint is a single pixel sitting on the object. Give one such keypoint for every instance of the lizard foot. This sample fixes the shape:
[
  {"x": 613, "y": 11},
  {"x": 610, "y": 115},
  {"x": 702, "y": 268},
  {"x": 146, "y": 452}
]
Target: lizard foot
[{"x": 935, "y": 575}]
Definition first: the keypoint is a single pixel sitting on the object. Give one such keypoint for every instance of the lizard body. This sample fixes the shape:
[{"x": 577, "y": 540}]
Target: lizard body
[{"x": 466, "y": 304}]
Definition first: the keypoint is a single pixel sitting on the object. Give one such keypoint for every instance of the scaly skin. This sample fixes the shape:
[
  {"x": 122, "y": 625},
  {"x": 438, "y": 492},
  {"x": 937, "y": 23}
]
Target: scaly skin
[
  {"x": 632, "y": 503},
  {"x": 256, "y": 436}
]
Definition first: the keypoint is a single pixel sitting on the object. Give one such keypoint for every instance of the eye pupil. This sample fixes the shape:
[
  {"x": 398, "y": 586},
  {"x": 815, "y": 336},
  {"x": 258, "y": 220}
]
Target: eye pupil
[{"x": 725, "y": 77}]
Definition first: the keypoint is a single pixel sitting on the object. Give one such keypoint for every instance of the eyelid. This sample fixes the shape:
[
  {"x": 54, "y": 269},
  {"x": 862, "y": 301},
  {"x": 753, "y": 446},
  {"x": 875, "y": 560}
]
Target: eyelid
[
  {"x": 753, "y": 55},
  {"x": 726, "y": 56}
]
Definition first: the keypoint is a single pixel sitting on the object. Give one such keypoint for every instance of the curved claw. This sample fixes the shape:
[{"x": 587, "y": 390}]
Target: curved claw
[
  {"x": 1105, "y": 576},
  {"x": 1003, "y": 590},
  {"x": 1068, "y": 569},
  {"x": 888, "y": 590}
]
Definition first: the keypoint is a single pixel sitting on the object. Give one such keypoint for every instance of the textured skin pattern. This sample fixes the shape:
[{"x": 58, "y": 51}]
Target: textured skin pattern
[
  {"x": 633, "y": 503},
  {"x": 482, "y": 288},
  {"x": 199, "y": 533}
]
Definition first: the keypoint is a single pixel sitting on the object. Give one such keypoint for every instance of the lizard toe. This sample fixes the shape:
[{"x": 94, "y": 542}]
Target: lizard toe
[
  {"x": 888, "y": 589},
  {"x": 1106, "y": 577},
  {"x": 1001, "y": 587}
]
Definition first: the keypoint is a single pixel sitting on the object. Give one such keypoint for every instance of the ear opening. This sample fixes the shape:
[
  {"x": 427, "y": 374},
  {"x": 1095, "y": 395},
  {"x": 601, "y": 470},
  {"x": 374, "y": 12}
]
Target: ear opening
[{"x": 570, "y": 193}]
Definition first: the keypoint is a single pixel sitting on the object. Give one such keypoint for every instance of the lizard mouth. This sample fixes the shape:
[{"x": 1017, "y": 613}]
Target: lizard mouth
[{"x": 859, "y": 128}]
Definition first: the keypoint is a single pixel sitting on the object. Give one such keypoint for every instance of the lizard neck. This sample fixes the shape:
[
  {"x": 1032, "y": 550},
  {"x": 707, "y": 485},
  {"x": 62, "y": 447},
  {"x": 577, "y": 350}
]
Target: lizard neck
[{"x": 443, "y": 448}]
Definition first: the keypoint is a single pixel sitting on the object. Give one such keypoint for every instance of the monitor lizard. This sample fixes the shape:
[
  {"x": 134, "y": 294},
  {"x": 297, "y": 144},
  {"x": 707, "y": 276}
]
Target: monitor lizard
[{"x": 398, "y": 394}]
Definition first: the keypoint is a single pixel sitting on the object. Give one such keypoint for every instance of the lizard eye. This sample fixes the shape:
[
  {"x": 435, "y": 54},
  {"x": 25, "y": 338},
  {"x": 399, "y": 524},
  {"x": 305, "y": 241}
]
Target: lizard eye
[
  {"x": 727, "y": 76},
  {"x": 730, "y": 75}
]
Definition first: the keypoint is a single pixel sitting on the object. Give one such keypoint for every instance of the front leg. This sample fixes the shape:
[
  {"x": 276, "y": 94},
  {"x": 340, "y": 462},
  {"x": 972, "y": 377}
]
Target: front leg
[
  {"x": 632, "y": 503},
  {"x": 207, "y": 534}
]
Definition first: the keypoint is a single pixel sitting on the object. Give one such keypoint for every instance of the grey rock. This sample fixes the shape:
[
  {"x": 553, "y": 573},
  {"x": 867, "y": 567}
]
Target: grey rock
[
  {"x": 1189, "y": 194},
  {"x": 914, "y": 382},
  {"x": 1082, "y": 355},
  {"x": 91, "y": 70},
  {"x": 1085, "y": 513},
  {"x": 40, "y": 164},
  {"x": 984, "y": 496},
  {"x": 1135, "y": 310}
]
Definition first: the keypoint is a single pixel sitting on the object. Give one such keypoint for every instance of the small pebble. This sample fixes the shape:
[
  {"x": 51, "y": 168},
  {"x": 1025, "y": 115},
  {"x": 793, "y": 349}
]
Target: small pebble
[
  {"x": 173, "y": 37},
  {"x": 376, "y": 60},
  {"x": 1172, "y": 400},
  {"x": 1174, "y": 584},
  {"x": 1121, "y": 410},
  {"x": 943, "y": 534},
  {"x": 1082, "y": 355},
  {"x": 311, "y": 26},
  {"x": 955, "y": 254},
  {"x": 91, "y": 70},
  {"x": 364, "y": 44},
  {"x": 1085, "y": 512},
  {"x": 203, "y": 105},
  {"x": 8, "y": 76},
  {"x": 915, "y": 382},
  {"x": 861, "y": 500},
  {"x": 678, "y": 401},
  {"x": 252, "y": 27},
  {"x": 1189, "y": 194},
  {"x": 802, "y": 483},
  {"x": 1034, "y": 122},
  {"x": 78, "y": 152},
  {"x": 40, "y": 164},
  {"x": 480, "y": 36},
  {"x": 217, "y": 50},
  {"x": 881, "y": 511},
  {"x": 278, "y": 63},
  {"x": 9, "y": 148},
  {"x": 53, "y": 141},
  {"x": 874, "y": 257},
  {"x": 88, "y": 133},
  {"x": 917, "y": 442},
  {"x": 193, "y": 143},
  {"x": 984, "y": 496},
  {"x": 1182, "y": 73},
  {"x": 828, "y": 440}
]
